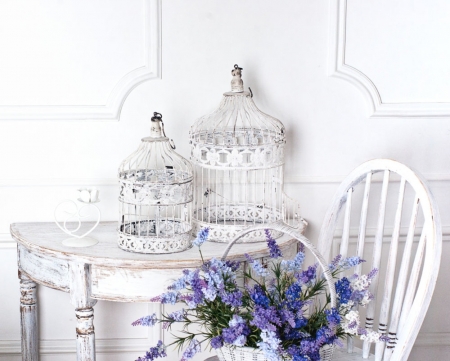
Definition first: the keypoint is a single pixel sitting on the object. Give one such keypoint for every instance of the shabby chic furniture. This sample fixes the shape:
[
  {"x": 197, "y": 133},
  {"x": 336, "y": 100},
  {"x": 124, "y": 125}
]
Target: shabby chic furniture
[
  {"x": 100, "y": 272},
  {"x": 390, "y": 219}
]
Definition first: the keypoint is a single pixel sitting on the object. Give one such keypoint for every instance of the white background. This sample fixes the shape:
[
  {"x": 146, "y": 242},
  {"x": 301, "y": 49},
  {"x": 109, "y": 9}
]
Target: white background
[{"x": 285, "y": 47}]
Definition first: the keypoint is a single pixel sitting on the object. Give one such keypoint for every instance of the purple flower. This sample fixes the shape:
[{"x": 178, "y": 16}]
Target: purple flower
[
  {"x": 154, "y": 352},
  {"x": 237, "y": 333},
  {"x": 217, "y": 342},
  {"x": 191, "y": 350},
  {"x": 202, "y": 236},
  {"x": 265, "y": 318},
  {"x": 233, "y": 299},
  {"x": 275, "y": 251},
  {"x": 307, "y": 276},
  {"x": 146, "y": 321},
  {"x": 351, "y": 262},
  {"x": 372, "y": 273}
]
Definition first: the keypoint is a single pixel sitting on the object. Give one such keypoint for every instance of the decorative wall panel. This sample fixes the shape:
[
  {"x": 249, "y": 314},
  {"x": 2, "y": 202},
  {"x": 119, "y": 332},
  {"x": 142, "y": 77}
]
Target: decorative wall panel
[
  {"x": 396, "y": 53},
  {"x": 64, "y": 60}
]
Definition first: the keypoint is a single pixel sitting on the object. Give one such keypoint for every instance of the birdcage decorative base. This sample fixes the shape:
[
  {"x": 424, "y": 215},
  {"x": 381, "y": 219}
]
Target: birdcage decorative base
[
  {"x": 228, "y": 353},
  {"x": 142, "y": 237},
  {"x": 225, "y": 222}
]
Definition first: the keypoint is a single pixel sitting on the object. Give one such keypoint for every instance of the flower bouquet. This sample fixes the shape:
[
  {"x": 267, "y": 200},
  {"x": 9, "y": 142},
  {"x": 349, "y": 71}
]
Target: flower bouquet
[{"x": 266, "y": 312}]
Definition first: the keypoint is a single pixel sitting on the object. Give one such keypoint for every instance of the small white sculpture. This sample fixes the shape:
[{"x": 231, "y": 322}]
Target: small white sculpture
[{"x": 75, "y": 213}]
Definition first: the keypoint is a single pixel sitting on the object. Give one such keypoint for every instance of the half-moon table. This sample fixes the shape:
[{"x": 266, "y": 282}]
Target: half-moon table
[{"x": 101, "y": 272}]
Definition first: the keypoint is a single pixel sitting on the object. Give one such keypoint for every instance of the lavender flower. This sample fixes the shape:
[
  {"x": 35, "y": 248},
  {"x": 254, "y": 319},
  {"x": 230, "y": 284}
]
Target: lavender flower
[
  {"x": 333, "y": 317},
  {"x": 191, "y": 350},
  {"x": 275, "y": 251},
  {"x": 154, "y": 352},
  {"x": 343, "y": 290},
  {"x": 265, "y": 318},
  {"x": 168, "y": 297},
  {"x": 270, "y": 345},
  {"x": 217, "y": 342},
  {"x": 237, "y": 333},
  {"x": 259, "y": 269},
  {"x": 233, "y": 299},
  {"x": 177, "y": 315},
  {"x": 202, "y": 236},
  {"x": 295, "y": 264},
  {"x": 307, "y": 276},
  {"x": 259, "y": 297},
  {"x": 146, "y": 321}
]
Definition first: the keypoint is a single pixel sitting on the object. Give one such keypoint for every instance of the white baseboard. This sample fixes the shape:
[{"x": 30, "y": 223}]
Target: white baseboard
[
  {"x": 123, "y": 345},
  {"x": 48, "y": 347}
]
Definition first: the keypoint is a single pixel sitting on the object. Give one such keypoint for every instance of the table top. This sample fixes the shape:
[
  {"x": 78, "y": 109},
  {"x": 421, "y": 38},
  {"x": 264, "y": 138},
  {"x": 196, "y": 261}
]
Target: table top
[{"x": 46, "y": 238}]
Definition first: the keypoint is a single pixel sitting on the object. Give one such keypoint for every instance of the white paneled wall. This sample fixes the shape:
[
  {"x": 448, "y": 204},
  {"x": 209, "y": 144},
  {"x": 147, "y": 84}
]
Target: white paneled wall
[{"x": 287, "y": 48}]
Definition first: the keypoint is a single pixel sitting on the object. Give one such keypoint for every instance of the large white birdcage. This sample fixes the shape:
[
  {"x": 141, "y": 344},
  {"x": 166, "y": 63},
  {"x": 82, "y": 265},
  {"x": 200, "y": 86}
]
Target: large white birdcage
[
  {"x": 155, "y": 196},
  {"x": 238, "y": 157}
]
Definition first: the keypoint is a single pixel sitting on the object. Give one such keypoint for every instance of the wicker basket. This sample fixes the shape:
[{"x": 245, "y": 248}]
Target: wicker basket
[
  {"x": 232, "y": 353},
  {"x": 228, "y": 353}
]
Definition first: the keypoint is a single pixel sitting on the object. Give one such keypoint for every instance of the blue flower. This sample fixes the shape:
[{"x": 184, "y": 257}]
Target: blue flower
[
  {"x": 154, "y": 352},
  {"x": 202, "y": 236},
  {"x": 146, "y": 321},
  {"x": 191, "y": 350},
  {"x": 259, "y": 297},
  {"x": 275, "y": 251},
  {"x": 343, "y": 290},
  {"x": 333, "y": 317},
  {"x": 270, "y": 345},
  {"x": 233, "y": 299},
  {"x": 177, "y": 315},
  {"x": 257, "y": 266},
  {"x": 295, "y": 264}
]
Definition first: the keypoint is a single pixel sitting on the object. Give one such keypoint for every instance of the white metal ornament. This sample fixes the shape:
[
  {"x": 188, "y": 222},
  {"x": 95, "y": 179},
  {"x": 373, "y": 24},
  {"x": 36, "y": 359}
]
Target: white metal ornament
[
  {"x": 76, "y": 214},
  {"x": 238, "y": 157}
]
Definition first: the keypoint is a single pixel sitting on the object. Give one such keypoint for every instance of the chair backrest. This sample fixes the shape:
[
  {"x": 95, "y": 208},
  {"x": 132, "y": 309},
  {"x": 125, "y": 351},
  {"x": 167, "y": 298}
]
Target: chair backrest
[{"x": 394, "y": 224}]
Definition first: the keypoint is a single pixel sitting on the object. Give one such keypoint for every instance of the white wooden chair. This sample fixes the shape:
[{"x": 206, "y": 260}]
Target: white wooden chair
[{"x": 404, "y": 244}]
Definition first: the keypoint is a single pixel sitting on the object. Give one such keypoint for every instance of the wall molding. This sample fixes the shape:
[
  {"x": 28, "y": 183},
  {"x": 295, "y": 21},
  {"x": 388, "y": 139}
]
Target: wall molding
[
  {"x": 339, "y": 69},
  {"x": 111, "y": 110},
  {"x": 290, "y": 179},
  {"x": 12, "y": 348}
]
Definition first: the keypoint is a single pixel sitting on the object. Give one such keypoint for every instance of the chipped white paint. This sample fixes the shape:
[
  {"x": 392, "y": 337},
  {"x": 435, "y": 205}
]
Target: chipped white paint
[
  {"x": 100, "y": 272},
  {"x": 412, "y": 295}
]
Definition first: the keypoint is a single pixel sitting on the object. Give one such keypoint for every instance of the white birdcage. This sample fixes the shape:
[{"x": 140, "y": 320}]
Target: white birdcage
[
  {"x": 155, "y": 196},
  {"x": 238, "y": 157}
]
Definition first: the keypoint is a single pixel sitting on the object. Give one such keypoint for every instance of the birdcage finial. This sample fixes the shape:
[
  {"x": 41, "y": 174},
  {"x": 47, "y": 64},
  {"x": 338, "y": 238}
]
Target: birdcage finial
[
  {"x": 157, "y": 127},
  {"x": 237, "y": 85}
]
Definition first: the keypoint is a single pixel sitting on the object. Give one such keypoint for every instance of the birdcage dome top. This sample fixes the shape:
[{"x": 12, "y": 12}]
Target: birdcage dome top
[
  {"x": 155, "y": 160},
  {"x": 237, "y": 134}
]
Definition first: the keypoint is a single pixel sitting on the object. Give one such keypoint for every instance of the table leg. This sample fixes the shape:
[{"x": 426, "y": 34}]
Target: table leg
[
  {"x": 28, "y": 319},
  {"x": 85, "y": 334},
  {"x": 80, "y": 295}
]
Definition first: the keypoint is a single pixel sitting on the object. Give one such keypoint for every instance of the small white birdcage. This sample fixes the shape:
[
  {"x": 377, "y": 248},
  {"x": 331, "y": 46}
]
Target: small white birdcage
[
  {"x": 155, "y": 196},
  {"x": 238, "y": 157}
]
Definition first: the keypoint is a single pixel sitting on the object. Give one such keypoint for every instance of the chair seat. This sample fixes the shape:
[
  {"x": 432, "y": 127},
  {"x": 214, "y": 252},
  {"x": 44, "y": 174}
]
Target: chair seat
[{"x": 342, "y": 354}]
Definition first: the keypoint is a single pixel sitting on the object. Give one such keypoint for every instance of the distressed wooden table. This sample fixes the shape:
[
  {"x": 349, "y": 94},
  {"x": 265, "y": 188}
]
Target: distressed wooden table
[{"x": 100, "y": 272}]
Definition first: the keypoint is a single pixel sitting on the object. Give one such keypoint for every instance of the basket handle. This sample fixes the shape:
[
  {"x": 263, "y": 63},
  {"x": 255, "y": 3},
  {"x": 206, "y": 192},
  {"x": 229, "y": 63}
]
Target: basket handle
[{"x": 300, "y": 238}]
